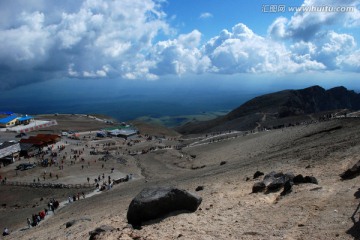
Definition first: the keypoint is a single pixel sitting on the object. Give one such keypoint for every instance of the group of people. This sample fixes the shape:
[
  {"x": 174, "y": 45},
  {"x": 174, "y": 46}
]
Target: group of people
[
  {"x": 76, "y": 197},
  {"x": 38, "y": 217}
]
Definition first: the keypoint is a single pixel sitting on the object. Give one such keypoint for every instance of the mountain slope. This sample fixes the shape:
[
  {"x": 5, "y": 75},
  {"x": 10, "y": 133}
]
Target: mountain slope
[{"x": 281, "y": 105}]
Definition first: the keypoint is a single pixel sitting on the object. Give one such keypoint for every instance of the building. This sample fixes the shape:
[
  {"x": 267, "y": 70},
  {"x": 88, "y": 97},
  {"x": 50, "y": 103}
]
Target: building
[
  {"x": 9, "y": 152},
  {"x": 41, "y": 140},
  {"x": 123, "y": 133},
  {"x": 25, "y": 120},
  {"x": 8, "y": 121},
  {"x": 28, "y": 150},
  {"x": 12, "y": 120}
]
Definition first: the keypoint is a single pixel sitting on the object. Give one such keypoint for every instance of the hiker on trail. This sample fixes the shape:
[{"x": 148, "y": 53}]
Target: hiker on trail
[
  {"x": 69, "y": 199},
  {"x": 28, "y": 222},
  {"x": 83, "y": 194},
  {"x": 42, "y": 215},
  {"x": 6, "y": 232},
  {"x": 34, "y": 220},
  {"x": 51, "y": 206}
]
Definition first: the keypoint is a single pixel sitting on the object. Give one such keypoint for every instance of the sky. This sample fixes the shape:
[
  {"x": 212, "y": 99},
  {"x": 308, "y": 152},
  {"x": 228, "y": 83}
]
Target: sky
[{"x": 253, "y": 42}]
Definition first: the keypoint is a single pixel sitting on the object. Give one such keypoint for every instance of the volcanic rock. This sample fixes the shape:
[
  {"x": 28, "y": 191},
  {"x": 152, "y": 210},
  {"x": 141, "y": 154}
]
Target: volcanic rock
[
  {"x": 104, "y": 228},
  {"x": 156, "y": 202},
  {"x": 352, "y": 172},
  {"x": 258, "y": 187},
  {"x": 258, "y": 174}
]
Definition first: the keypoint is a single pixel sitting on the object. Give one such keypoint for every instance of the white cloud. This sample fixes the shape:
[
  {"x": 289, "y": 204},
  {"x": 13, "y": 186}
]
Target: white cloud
[
  {"x": 242, "y": 51},
  {"x": 304, "y": 25},
  {"x": 179, "y": 56},
  {"x": 205, "y": 15},
  {"x": 351, "y": 62},
  {"x": 330, "y": 49},
  {"x": 277, "y": 30},
  {"x": 102, "y": 39},
  {"x": 75, "y": 39},
  {"x": 27, "y": 45}
]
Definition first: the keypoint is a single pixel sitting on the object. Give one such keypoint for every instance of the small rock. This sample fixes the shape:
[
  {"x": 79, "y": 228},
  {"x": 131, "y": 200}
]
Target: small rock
[
  {"x": 352, "y": 172},
  {"x": 287, "y": 188},
  {"x": 258, "y": 174},
  {"x": 258, "y": 187},
  {"x": 315, "y": 189},
  {"x": 97, "y": 231},
  {"x": 223, "y": 163},
  {"x": 70, "y": 223},
  {"x": 274, "y": 181},
  {"x": 199, "y": 188},
  {"x": 298, "y": 179},
  {"x": 310, "y": 179}
]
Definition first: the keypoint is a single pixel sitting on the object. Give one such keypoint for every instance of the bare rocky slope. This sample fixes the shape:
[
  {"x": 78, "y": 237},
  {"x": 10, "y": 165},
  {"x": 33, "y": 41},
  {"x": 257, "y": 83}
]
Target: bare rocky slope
[
  {"x": 229, "y": 210},
  {"x": 286, "y": 106}
]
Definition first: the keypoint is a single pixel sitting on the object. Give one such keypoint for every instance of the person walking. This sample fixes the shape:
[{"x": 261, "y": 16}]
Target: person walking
[
  {"x": 28, "y": 222},
  {"x": 6, "y": 231}
]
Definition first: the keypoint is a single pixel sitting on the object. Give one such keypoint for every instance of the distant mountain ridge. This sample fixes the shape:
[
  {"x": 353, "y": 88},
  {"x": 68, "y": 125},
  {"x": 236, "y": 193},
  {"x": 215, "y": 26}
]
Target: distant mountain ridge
[{"x": 278, "y": 106}]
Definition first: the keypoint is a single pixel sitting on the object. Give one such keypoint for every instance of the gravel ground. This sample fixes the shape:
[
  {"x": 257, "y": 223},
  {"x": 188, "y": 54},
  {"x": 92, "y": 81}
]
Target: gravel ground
[{"x": 228, "y": 210}]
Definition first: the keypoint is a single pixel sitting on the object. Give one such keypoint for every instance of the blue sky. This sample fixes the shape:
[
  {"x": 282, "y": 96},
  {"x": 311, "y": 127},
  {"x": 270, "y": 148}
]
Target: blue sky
[
  {"x": 222, "y": 14},
  {"x": 156, "y": 40}
]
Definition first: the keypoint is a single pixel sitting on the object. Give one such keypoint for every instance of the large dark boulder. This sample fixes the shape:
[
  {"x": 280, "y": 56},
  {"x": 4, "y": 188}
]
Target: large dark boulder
[
  {"x": 156, "y": 202},
  {"x": 352, "y": 172}
]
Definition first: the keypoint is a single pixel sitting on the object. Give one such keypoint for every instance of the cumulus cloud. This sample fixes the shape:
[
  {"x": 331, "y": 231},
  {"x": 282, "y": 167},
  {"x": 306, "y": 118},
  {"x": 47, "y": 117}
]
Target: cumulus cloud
[
  {"x": 179, "y": 56},
  {"x": 242, "y": 51},
  {"x": 312, "y": 39},
  {"x": 351, "y": 62},
  {"x": 305, "y": 24},
  {"x": 205, "y": 15},
  {"x": 79, "y": 39},
  {"x": 44, "y": 39}
]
